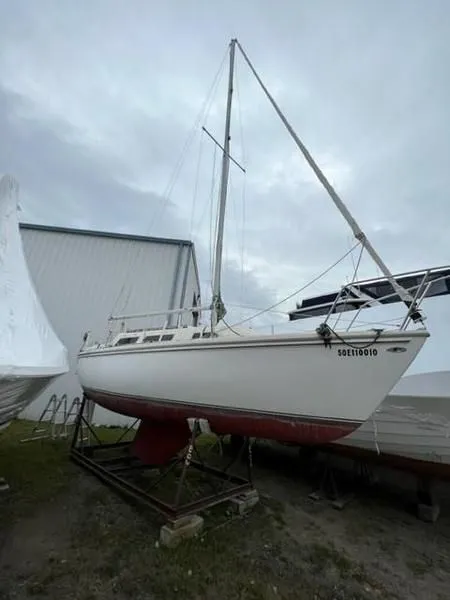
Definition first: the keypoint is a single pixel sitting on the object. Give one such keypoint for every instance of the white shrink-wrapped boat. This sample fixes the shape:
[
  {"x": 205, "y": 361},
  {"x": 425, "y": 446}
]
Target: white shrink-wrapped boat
[
  {"x": 31, "y": 355},
  {"x": 412, "y": 423}
]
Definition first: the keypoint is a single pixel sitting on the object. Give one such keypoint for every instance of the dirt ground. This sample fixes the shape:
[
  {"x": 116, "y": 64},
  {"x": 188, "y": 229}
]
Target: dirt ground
[{"x": 63, "y": 534}]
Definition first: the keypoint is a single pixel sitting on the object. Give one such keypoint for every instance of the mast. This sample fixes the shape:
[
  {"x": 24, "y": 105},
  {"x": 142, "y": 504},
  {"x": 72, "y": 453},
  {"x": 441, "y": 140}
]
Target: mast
[
  {"x": 357, "y": 231},
  {"x": 218, "y": 310}
]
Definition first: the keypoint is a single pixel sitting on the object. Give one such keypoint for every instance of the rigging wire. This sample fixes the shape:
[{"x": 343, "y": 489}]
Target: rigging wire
[
  {"x": 235, "y": 218},
  {"x": 134, "y": 257},
  {"x": 244, "y": 187},
  {"x": 243, "y": 201},
  {"x": 235, "y": 214},
  {"x": 327, "y": 270},
  {"x": 384, "y": 323},
  {"x": 286, "y": 313},
  {"x": 355, "y": 272},
  {"x": 204, "y": 110},
  {"x": 197, "y": 176},
  {"x": 216, "y": 226},
  {"x": 248, "y": 307},
  {"x": 349, "y": 240},
  {"x": 213, "y": 223},
  {"x": 231, "y": 328},
  {"x": 207, "y": 205}
]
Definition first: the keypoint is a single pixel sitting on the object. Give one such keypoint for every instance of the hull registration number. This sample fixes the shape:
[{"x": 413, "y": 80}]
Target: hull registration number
[{"x": 357, "y": 352}]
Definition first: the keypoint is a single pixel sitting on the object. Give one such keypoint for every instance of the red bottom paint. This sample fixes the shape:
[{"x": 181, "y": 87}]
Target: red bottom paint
[
  {"x": 298, "y": 429},
  {"x": 157, "y": 442}
]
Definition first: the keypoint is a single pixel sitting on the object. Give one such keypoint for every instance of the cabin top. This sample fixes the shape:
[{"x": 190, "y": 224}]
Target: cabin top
[{"x": 180, "y": 334}]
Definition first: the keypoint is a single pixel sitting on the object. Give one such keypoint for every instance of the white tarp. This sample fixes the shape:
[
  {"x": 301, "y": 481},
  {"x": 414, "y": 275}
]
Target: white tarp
[
  {"x": 28, "y": 344},
  {"x": 432, "y": 384}
]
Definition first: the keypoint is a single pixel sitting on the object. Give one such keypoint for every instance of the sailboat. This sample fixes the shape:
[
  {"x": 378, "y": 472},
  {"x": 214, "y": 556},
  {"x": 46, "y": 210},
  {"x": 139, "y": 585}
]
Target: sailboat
[
  {"x": 31, "y": 354},
  {"x": 306, "y": 388}
]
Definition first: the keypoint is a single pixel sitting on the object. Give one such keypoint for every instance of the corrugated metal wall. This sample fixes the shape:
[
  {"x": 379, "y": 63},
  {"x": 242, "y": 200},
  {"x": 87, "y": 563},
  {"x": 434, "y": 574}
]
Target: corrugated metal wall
[{"x": 83, "y": 277}]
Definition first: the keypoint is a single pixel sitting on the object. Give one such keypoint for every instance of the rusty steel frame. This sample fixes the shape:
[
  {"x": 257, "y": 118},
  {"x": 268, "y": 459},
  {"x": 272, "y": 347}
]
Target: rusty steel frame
[{"x": 89, "y": 456}]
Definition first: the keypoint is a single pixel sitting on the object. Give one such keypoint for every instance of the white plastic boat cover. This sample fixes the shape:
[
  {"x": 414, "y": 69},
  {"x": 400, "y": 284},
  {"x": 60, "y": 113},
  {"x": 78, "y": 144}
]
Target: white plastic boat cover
[
  {"x": 432, "y": 384},
  {"x": 28, "y": 344}
]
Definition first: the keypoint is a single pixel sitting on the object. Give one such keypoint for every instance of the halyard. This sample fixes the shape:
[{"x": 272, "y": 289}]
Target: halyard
[{"x": 63, "y": 534}]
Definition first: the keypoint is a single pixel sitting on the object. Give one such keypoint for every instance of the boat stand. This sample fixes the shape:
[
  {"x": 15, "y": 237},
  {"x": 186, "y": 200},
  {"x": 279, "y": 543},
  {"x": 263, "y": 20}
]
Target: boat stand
[
  {"x": 428, "y": 507},
  {"x": 179, "y": 489},
  {"x": 365, "y": 476},
  {"x": 329, "y": 488}
]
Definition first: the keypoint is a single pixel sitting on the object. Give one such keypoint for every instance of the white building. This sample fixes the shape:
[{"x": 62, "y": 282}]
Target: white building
[{"x": 82, "y": 277}]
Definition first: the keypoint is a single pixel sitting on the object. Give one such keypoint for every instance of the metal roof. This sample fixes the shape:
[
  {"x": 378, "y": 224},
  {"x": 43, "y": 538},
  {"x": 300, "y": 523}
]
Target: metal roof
[{"x": 107, "y": 234}]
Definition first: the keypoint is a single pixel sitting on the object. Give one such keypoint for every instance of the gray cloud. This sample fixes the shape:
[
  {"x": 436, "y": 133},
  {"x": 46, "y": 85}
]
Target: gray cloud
[
  {"x": 97, "y": 99},
  {"x": 64, "y": 181}
]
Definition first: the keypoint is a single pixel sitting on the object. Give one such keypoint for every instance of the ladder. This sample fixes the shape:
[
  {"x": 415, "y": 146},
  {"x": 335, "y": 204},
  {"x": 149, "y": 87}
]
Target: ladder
[{"x": 47, "y": 425}]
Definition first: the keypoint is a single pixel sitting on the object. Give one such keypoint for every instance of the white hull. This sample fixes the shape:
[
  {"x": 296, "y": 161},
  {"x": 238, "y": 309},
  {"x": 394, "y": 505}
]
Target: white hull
[
  {"x": 292, "y": 376},
  {"x": 16, "y": 393},
  {"x": 412, "y": 422}
]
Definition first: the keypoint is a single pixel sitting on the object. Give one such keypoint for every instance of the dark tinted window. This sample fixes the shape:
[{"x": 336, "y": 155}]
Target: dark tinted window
[
  {"x": 151, "y": 338},
  {"x": 126, "y": 340}
]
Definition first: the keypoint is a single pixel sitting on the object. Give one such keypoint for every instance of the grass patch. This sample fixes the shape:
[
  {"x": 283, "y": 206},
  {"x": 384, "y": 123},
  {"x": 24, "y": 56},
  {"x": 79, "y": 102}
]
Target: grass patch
[
  {"x": 36, "y": 471},
  {"x": 243, "y": 560},
  {"x": 39, "y": 470},
  {"x": 119, "y": 556}
]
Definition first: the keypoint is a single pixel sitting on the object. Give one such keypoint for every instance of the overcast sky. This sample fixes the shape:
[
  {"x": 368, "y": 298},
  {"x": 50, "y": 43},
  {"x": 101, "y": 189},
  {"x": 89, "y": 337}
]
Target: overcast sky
[{"x": 97, "y": 99}]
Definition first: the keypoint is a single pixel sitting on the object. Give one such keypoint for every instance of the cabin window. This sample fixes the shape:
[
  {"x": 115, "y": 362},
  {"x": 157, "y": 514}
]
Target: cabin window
[
  {"x": 167, "y": 337},
  {"x": 206, "y": 334},
  {"x": 126, "y": 340},
  {"x": 196, "y": 336},
  {"x": 151, "y": 338}
]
